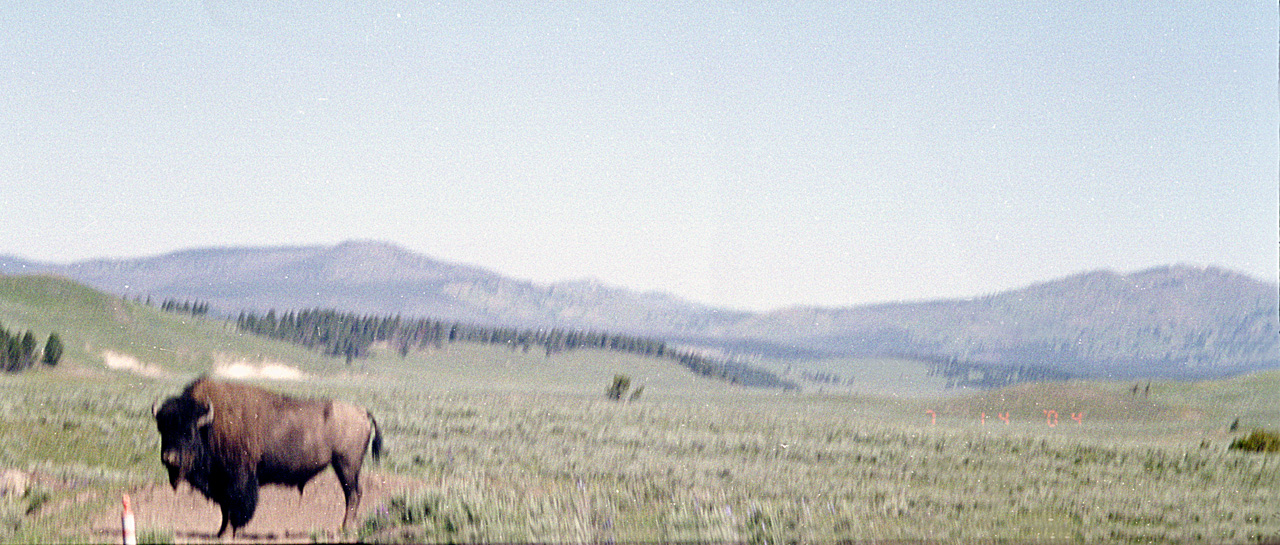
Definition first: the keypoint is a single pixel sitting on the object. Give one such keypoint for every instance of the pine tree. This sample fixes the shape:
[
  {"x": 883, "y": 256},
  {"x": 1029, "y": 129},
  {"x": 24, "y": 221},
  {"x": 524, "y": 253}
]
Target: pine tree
[
  {"x": 5, "y": 364},
  {"x": 28, "y": 347},
  {"x": 13, "y": 354},
  {"x": 52, "y": 350}
]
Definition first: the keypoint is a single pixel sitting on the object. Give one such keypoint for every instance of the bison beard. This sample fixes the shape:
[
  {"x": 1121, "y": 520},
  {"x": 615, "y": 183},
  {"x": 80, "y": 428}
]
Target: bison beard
[{"x": 228, "y": 439}]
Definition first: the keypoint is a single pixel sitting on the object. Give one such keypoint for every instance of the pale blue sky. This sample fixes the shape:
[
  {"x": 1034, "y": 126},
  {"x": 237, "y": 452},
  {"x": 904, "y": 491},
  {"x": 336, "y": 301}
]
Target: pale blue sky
[{"x": 754, "y": 156}]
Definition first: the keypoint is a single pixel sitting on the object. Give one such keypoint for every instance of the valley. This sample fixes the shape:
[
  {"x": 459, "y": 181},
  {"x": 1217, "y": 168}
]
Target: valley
[
  {"x": 486, "y": 443},
  {"x": 1177, "y": 322}
]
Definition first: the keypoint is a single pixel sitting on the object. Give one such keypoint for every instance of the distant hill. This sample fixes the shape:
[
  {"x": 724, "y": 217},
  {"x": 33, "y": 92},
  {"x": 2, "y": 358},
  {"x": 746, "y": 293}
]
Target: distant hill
[
  {"x": 1176, "y": 321},
  {"x": 1181, "y": 322},
  {"x": 381, "y": 278}
]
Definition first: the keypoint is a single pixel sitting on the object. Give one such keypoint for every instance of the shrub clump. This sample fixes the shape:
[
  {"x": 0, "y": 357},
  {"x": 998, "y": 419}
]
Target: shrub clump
[
  {"x": 1258, "y": 441},
  {"x": 616, "y": 392}
]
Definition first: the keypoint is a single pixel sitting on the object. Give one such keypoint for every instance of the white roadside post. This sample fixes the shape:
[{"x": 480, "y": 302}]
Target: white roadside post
[{"x": 128, "y": 529}]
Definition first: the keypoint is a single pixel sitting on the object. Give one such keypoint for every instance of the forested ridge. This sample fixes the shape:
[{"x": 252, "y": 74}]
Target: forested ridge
[{"x": 351, "y": 335}]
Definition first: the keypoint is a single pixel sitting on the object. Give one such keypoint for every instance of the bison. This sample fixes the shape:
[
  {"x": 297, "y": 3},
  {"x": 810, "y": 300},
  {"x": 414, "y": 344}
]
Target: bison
[{"x": 227, "y": 439}]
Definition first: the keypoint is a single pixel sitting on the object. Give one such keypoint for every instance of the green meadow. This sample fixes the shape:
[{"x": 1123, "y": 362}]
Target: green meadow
[{"x": 509, "y": 446}]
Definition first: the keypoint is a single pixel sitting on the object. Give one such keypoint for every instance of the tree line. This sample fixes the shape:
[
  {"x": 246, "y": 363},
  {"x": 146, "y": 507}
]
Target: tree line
[
  {"x": 21, "y": 350},
  {"x": 990, "y": 375},
  {"x": 958, "y": 373},
  {"x": 194, "y": 308},
  {"x": 351, "y": 336}
]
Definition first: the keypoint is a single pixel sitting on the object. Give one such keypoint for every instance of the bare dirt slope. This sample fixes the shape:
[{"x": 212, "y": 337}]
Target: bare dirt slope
[{"x": 282, "y": 516}]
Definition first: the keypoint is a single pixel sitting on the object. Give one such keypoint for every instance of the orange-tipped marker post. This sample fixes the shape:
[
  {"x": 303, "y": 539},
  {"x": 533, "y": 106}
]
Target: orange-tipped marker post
[{"x": 128, "y": 529}]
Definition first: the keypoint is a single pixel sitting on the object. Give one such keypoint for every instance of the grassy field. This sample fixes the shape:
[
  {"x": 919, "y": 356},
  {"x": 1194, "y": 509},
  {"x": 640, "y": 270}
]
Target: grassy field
[
  {"x": 514, "y": 446},
  {"x": 893, "y": 376},
  {"x": 776, "y": 468}
]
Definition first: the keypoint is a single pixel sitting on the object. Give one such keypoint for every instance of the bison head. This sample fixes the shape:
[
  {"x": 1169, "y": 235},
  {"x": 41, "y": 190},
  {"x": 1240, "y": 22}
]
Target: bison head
[{"x": 184, "y": 439}]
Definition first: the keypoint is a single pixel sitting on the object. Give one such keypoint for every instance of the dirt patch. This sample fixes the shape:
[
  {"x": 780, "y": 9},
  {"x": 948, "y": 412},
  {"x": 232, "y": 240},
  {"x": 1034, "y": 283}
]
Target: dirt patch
[
  {"x": 244, "y": 369},
  {"x": 125, "y": 362},
  {"x": 14, "y": 483},
  {"x": 282, "y": 515}
]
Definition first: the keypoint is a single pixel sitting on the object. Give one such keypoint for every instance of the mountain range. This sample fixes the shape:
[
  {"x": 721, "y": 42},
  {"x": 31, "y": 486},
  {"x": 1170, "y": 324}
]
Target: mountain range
[
  {"x": 1175, "y": 321},
  {"x": 380, "y": 278}
]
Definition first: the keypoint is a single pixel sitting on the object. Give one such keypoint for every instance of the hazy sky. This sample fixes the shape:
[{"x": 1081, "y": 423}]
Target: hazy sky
[{"x": 754, "y": 156}]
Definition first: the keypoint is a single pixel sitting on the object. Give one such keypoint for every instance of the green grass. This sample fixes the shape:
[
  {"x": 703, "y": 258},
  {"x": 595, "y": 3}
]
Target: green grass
[
  {"x": 1250, "y": 397},
  {"x": 517, "y": 464},
  {"x": 757, "y": 468},
  {"x": 475, "y": 367},
  {"x": 876, "y": 376},
  {"x": 515, "y": 446}
]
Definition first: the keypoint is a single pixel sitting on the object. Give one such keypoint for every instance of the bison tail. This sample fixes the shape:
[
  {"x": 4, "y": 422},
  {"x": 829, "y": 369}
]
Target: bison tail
[{"x": 377, "y": 438}]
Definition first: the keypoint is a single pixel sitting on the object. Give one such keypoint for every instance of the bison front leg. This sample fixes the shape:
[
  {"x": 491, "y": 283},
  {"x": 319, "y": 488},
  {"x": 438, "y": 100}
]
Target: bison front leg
[
  {"x": 241, "y": 502},
  {"x": 226, "y": 518}
]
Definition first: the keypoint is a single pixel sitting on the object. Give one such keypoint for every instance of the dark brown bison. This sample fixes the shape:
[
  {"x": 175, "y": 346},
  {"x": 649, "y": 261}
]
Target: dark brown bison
[{"x": 227, "y": 439}]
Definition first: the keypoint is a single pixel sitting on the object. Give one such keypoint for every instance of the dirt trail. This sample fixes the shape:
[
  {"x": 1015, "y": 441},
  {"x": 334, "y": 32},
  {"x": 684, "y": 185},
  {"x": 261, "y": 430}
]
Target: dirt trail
[{"x": 282, "y": 516}]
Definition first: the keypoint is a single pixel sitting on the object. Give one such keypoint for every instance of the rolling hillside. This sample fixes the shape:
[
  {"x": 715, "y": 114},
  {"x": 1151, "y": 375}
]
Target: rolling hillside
[
  {"x": 519, "y": 444},
  {"x": 1177, "y": 321},
  {"x": 104, "y": 334},
  {"x": 107, "y": 336},
  {"x": 478, "y": 422}
]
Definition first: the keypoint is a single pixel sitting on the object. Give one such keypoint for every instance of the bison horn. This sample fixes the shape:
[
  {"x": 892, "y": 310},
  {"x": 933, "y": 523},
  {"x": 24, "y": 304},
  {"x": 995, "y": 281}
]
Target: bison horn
[
  {"x": 206, "y": 419},
  {"x": 155, "y": 408}
]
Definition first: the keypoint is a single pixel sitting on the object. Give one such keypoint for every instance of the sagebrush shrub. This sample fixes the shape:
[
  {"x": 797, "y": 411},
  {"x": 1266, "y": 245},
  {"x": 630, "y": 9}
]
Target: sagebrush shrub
[{"x": 1258, "y": 441}]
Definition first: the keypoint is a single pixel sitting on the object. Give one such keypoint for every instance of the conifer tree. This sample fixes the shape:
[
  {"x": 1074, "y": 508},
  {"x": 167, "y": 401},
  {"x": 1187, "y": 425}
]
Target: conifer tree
[
  {"x": 28, "y": 347},
  {"x": 52, "y": 350}
]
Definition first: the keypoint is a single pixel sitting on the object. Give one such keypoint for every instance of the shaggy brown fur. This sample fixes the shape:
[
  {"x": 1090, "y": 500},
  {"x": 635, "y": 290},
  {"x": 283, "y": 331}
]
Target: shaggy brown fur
[{"x": 255, "y": 437}]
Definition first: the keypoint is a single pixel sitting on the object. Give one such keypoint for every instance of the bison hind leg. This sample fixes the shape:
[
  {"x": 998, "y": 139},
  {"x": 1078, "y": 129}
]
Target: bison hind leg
[{"x": 349, "y": 477}]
